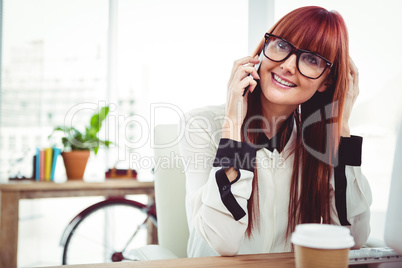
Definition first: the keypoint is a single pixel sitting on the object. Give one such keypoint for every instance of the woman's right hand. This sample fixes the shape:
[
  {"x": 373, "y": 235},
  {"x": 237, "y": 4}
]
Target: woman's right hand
[{"x": 236, "y": 103}]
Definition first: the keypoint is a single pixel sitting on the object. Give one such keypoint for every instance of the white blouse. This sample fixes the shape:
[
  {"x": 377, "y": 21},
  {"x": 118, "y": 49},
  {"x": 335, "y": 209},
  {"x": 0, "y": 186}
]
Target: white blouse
[{"x": 215, "y": 230}]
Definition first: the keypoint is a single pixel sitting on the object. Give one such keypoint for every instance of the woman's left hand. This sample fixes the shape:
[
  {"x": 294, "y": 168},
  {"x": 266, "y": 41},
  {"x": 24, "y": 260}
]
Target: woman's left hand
[{"x": 350, "y": 98}]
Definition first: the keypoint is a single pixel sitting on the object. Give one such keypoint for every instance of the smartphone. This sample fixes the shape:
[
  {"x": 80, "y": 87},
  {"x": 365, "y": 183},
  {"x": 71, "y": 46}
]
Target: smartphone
[{"x": 257, "y": 66}]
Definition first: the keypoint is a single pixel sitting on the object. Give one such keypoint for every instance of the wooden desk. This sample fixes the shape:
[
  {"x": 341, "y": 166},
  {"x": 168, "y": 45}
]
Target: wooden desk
[
  {"x": 283, "y": 260},
  {"x": 11, "y": 194}
]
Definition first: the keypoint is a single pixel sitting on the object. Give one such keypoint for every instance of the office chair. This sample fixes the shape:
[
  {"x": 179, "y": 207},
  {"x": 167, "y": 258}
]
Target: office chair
[{"x": 169, "y": 198}]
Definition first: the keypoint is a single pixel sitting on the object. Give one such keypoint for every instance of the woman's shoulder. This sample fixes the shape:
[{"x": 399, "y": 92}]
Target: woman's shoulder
[{"x": 204, "y": 123}]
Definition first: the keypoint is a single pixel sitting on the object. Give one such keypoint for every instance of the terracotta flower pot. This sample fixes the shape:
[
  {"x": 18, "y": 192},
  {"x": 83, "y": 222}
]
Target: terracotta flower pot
[{"x": 75, "y": 163}]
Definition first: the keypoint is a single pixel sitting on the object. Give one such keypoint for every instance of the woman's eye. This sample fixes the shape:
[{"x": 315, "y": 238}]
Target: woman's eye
[
  {"x": 311, "y": 59},
  {"x": 283, "y": 45}
]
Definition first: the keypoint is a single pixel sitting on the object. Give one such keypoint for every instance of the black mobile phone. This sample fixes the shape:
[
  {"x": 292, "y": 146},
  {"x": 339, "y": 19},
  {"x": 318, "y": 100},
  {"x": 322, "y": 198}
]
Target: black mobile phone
[{"x": 257, "y": 66}]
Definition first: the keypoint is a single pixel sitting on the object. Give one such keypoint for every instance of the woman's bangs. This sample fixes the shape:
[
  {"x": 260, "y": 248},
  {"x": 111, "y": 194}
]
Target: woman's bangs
[{"x": 315, "y": 32}]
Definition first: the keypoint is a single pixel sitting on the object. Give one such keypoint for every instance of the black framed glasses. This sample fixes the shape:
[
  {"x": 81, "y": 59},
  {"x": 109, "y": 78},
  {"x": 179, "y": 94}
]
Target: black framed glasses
[{"x": 309, "y": 64}]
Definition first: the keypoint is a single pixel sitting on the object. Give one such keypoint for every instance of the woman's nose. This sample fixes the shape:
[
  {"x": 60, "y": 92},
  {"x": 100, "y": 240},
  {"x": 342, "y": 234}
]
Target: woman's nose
[{"x": 289, "y": 65}]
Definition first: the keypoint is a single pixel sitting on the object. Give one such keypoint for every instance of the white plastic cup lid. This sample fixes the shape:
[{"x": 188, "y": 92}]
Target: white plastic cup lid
[{"x": 324, "y": 236}]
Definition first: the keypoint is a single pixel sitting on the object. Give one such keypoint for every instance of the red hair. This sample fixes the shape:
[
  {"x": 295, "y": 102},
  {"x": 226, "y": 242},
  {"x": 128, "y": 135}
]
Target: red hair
[{"x": 322, "y": 32}]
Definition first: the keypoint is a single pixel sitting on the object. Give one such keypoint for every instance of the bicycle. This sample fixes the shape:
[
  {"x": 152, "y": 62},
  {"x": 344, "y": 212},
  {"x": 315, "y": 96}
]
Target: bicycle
[{"x": 96, "y": 234}]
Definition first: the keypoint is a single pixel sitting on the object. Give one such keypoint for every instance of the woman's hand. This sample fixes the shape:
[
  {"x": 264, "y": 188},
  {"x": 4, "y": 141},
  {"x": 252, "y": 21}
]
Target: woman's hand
[
  {"x": 351, "y": 95},
  {"x": 236, "y": 104}
]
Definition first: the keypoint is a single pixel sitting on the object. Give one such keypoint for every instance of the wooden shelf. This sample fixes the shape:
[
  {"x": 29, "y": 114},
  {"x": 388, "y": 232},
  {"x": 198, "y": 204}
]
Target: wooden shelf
[
  {"x": 113, "y": 187},
  {"x": 11, "y": 193}
]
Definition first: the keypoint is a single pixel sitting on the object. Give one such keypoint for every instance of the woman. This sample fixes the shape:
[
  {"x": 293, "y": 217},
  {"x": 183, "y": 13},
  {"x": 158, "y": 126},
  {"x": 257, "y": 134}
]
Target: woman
[{"x": 280, "y": 152}]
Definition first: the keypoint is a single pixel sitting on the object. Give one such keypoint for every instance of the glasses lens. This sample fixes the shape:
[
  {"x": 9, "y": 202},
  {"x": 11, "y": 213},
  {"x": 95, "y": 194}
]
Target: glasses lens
[
  {"x": 311, "y": 65},
  {"x": 277, "y": 49}
]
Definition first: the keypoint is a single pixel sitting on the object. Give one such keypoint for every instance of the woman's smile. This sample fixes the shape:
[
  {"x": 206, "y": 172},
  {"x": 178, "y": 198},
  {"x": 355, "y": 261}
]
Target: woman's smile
[{"x": 282, "y": 82}]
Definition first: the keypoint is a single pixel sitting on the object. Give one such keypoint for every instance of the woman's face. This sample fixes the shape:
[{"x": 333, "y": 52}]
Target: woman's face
[{"x": 282, "y": 83}]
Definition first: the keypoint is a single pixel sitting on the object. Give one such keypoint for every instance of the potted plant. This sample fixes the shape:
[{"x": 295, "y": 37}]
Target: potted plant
[{"x": 77, "y": 145}]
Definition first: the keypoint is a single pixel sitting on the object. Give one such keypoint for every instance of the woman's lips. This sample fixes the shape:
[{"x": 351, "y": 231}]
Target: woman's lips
[{"x": 282, "y": 82}]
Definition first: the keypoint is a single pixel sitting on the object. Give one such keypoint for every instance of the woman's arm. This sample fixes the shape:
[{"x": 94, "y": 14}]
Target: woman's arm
[
  {"x": 217, "y": 192},
  {"x": 350, "y": 98},
  {"x": 351, "y": 193},
  {"x": 216, "y": 207}
]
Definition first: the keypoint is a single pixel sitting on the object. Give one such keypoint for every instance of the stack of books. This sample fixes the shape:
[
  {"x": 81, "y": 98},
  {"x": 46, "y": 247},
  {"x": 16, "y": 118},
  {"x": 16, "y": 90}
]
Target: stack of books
[{"x": 45, "y": 163}]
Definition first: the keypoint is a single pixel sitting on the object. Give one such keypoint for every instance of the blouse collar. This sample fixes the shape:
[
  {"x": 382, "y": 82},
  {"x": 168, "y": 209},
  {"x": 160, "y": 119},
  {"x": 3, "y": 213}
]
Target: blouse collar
[{"x": 280, "y": 139}]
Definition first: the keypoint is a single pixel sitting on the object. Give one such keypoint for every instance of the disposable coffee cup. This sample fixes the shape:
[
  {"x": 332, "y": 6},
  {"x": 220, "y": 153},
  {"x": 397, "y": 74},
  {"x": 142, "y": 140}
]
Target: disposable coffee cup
[{"x": 322, "y": 245}]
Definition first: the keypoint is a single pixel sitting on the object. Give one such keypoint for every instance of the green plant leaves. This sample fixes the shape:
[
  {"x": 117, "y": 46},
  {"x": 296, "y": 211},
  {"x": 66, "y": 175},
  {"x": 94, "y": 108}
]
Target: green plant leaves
[
  {"x": 97, "y": 120},
  {"x": 75, "y": 140}
]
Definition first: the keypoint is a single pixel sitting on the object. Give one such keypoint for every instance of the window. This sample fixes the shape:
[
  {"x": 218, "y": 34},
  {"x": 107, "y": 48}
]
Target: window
[
  {"x": 175, "y": 55},
  {"x": 56, "y": 55}
]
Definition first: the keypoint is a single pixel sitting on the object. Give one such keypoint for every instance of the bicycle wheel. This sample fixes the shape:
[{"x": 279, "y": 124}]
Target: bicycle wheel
[{"x": 104, "y": 230}]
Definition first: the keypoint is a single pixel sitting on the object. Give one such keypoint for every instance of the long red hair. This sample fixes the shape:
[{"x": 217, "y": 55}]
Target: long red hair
[{"x": 324, "y": 32}]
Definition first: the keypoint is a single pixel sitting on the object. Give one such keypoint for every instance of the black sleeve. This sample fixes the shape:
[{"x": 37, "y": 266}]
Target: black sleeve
[
  {"x": 239, "y": 155},
  {"x": 226, "y": 194},
  {"x": 350, "y": 150}
]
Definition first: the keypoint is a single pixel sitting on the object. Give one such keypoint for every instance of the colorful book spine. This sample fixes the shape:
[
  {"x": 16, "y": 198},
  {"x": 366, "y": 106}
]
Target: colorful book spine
[
  {"x": 37, "y": 165},
  {"x": 44, "y": 163},
  {"x": 42, "y": 166},
  {"x": 56, "y": 153},
  {"x": 48, "y": 163},
  {"x": 34, "y": 167}
]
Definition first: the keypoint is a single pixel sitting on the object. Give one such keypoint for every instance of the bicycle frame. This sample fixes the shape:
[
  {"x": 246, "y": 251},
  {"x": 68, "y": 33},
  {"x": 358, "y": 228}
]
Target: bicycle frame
[{"x": 150, "y": 210}]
